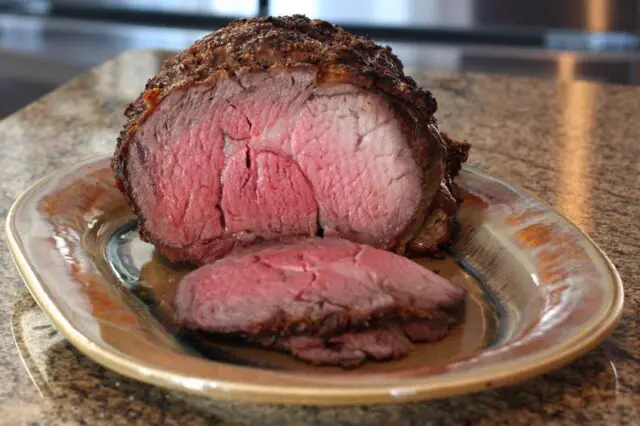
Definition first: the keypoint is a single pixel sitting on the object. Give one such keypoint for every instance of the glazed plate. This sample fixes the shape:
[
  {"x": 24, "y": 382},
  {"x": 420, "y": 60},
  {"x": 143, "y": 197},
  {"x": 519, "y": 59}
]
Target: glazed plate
[{"x": 540, "y": 294}]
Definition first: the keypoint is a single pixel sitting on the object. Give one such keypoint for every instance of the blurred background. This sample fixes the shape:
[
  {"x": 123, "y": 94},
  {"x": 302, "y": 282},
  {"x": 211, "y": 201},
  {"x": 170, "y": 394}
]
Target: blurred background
[{"x": 44, "y": 43}]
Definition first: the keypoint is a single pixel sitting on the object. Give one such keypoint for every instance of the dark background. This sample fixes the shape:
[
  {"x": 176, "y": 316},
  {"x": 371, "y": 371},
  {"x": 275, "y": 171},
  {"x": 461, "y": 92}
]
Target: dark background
[{"x": 44, "y": 43}]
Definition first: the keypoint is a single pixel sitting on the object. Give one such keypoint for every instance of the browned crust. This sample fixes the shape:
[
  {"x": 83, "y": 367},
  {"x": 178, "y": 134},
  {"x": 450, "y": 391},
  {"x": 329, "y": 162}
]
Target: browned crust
[
  {"x": 457, "y": 154},
  {"x": 263, "y": 44},
  {"x": 438, "y": 226}
]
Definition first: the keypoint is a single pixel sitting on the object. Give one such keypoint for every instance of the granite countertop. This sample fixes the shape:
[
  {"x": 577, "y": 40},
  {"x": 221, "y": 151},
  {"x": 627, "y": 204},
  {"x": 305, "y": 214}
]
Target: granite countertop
[{"x": 574, "y": 144}]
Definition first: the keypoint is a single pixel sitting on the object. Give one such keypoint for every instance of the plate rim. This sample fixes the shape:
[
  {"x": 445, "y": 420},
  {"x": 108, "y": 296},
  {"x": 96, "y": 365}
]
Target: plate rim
[{"x": 478, "y": 379}]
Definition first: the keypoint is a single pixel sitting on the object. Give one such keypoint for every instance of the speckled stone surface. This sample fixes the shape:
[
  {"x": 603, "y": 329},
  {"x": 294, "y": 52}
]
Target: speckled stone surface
[{"x": 573, "y": 144}]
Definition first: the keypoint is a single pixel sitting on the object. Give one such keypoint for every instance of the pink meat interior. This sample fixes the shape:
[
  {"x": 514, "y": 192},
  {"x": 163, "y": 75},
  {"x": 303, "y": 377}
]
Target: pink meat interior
[
  {"x": 272, "y": 154},
  {"x": 320, "y": 282}
]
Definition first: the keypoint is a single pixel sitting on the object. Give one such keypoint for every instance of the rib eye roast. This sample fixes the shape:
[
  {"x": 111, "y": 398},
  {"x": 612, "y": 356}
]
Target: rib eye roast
[
  {"x": 297, "y": 163},
  {"x": 280, "y": 127},
  {"x": 326, "y": 300}
]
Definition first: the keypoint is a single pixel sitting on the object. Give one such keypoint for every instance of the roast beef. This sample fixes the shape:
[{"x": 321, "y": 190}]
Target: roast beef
[
  {"x": 276, "y": 127},
  {"x": 326, "y": 300},
  {"x": 352, "y": 348}
]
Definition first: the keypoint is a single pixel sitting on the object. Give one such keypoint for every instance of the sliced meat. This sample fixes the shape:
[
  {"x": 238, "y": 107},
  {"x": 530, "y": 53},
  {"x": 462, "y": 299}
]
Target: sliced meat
[
  {"x": 284, "y": 127},
  {"x": 326, "y": 300},
  {"x": 352, "y": 348}
]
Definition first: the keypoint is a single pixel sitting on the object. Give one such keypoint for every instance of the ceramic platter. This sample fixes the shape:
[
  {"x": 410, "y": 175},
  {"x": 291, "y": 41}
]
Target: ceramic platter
[{"x": 540, "y": 294}]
